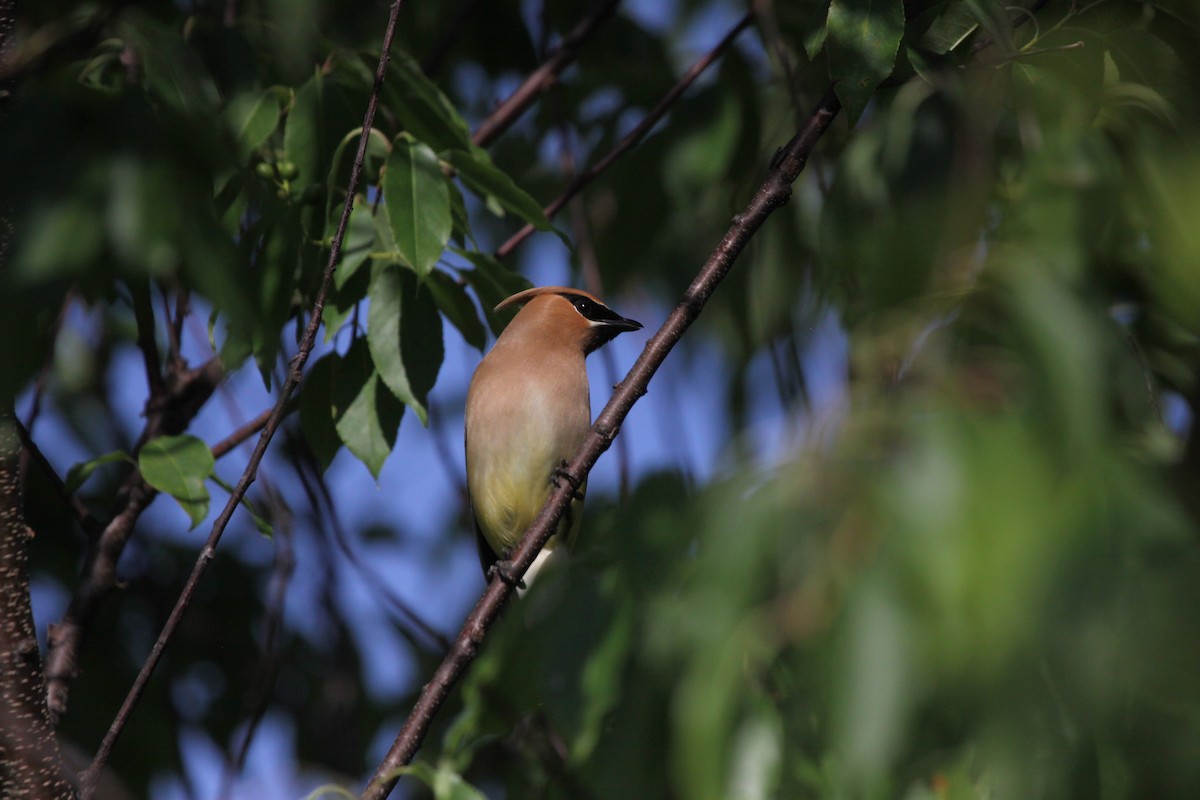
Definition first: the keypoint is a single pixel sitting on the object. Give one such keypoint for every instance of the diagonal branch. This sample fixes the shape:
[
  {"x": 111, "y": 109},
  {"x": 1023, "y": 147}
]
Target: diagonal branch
[
  {"x": 294, "y": 372},
  {"x": 542, "y": 78},
  {"x": 634, "y": 136},
  {"x": 773, "y": 193}
]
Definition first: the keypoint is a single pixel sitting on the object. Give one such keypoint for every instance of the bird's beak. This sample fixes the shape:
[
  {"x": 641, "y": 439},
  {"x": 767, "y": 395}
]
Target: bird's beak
[{"x": 620, "y": 324}]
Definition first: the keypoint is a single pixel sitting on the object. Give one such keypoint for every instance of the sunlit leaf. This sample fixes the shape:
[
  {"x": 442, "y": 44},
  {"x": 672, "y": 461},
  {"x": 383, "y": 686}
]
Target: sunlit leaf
[
  {"x": 418, "y": 203},
  {"x": 405, "y": 335},
  {"x": 78, "y": 474},
  {"x": 179, "y": 466}
]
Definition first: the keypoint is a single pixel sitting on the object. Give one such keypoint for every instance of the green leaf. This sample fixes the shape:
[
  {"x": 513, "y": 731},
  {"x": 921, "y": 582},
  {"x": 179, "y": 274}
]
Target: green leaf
[
  {"x": 862, "y": 39},
  {"x": 330, "y": 790},
  {"x": 178, "y": 466},
  {"x": 343, "y": 300},
  {"x": 443, "y": 780},
  {"x": 452, "y": 300},
  {"x": 78, "y": 474},
  {"x": 378, "y": 148},
  {"x": 493, "y": 282},
  {"x": 404, "y": 332},
  {"x": 422, "y": 108},
  {"x": 993, "y": 16},
  {"x": 359, "y": 241},
  {"x": 252, "y": 118},
  {"x": 342, "y": 403},
  {"x": 950, "y": 29},
  {"x": 301, "y": 132},
  {"x": 418, "y": 203},
  {"x": 489, "y": 182},
  {"x": 320, "y": 409}
]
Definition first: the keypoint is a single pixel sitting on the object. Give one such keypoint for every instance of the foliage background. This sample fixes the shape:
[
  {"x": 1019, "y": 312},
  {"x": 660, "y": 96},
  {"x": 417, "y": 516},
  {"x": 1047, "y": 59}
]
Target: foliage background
[{"x": 911, "y": 512}]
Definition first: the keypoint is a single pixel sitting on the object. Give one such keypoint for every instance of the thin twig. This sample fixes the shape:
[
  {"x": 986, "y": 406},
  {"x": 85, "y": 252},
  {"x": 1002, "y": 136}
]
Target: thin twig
[
  {"x": 143, "y": 312},
  {"x": 312, "y": 479},
  {"x": 242, "y": 434},
  {"x": 431, "y": 64},
  {"x": 295, "y": 370},
  {"x": 589, "y": 266},
  {"x": 265, "y": 672},
  {"x": 633, "y": 137},
  {"x": 1008, "y": 58},
  {"x": 773, "y": 193},
  {"x": 543, "y": 77}
]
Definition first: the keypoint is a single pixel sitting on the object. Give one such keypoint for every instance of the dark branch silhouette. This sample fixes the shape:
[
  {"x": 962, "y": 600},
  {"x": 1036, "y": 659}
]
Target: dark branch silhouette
[
  {"x": 633, "y": 137},
  {"x": 295, "y": 370},
  {"x": 542, "y": 78},
  {"x": 773, "y": 193}
]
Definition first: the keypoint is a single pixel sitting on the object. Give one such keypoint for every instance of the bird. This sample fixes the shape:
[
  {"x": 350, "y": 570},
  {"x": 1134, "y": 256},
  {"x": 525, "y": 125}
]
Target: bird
[{"x": 528, "y": 411}]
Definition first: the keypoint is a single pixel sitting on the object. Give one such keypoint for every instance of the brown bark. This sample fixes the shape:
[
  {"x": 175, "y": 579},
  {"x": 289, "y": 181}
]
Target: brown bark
[{"x": 30, "y": 763}]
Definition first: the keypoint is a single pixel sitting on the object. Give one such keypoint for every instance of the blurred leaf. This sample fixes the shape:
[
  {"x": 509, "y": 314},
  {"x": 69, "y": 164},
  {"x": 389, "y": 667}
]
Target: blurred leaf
[
  {"x": 994, "y": 18},
  {"x": 422, "y": 108},
  {"x": 1171, "y": 198},
  {"x": 260, "y": 522},
  {"x": 252, "y": 118},
  {"x": 443, "y": 780},
  {"x": 170, "y": 69},
  {"x": 301, "y": 133},
  {"x": 493, "y": 283},
  {"x": 418, "y": 203},
  {"x": 456, "y": 306},
  {"x": 79, "y": 473},
  {"x": 862, "y": 39},
  {"x": 179, "y": 466},
  {"x": 330, "y": 790},
  {"x": 405, "y": 335},
  {"x": 951, "y": 28},
  {"x": 483, "y": 178}
]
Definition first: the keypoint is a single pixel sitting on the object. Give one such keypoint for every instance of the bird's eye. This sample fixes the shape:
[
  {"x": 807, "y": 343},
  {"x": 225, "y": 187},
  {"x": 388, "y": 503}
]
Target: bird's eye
[{"x": 583, "y": 305}]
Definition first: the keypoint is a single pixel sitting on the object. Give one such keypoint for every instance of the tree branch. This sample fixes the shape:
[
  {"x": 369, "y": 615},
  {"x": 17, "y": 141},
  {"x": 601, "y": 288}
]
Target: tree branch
[
  {"x": 543, "y": 77},
  {"x": 91, "y": 526},
  {"x": 294, "y": 373},
  {"x": 633, "y": 137},
  {"x": 30, "y": 763},
  {"x": 773, "y": 193},
  {"x": 168, "y": 414}
]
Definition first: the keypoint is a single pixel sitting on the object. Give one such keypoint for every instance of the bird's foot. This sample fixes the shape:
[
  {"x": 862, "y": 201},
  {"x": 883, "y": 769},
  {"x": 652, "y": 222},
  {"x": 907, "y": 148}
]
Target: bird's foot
[
  {"x": 503, "y": 569},
  {"x": 560, "y": 473}
]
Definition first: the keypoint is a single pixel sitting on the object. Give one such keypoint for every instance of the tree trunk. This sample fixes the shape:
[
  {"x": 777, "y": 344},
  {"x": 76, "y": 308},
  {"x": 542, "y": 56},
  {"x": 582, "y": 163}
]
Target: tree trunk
[{"x": 30, "y": 767}]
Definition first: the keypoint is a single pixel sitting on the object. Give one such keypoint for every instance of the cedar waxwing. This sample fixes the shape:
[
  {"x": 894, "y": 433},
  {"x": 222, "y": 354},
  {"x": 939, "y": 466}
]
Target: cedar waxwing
[{"x": 528, "y": 411}]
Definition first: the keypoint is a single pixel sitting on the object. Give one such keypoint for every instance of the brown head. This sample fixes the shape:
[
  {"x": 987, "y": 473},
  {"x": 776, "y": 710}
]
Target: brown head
[{"x": 563, "y": 315}]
